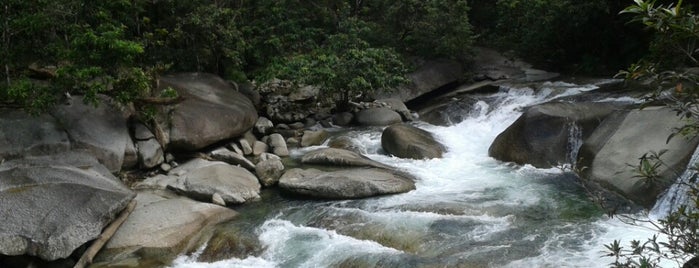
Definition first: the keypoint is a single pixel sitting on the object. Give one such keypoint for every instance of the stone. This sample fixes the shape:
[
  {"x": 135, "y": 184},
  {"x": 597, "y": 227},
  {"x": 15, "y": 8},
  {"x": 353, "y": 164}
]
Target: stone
[
  {"x": 211, "y": 111},
  {"x": 297, "y": 125},
  {"x": 259, "y": 148},
  {"x": 235, "y": 148},
  {"x": 347, "y": 143},
  {"x": 343, "y": 119},
  {"x": 397, "y": 106},
  {"x": 278, "y": 145},
  {"x": 142, "y": 133},
  {"x": 162, "y": 227},
  {"x": 608, "y": 157},
  {"x": 130, "y": 156},
  {"x": 200, "y": 179},
  {"x": 268, "y": 156},
  {"x": 406, "y": 141},
  {"x": 54, "y": 204},
  {"x": 22, "y": 134},
  {"x": 165, "y": 167},
  {"x": 150, "y": 154},
  {"x": 311, "y": 138},
  {"x": 345, "y": 184},
  {"x": 230, "y": 157},
  {"x": 541, "y": 136},
  {"x": 101, "y": 131},
  {"x": 218, "y": 200},
  {"x": 269, "y": 171},
  {"x": 247, "y": 148},
  {"x": 377, "y": 117},
  {"x": 292, "y": 142},
  {"x": 429, "y": 76},
  {"x": 263, "y": 126},
  {"x": 339, "y": 157},
  {"x": 304, "y": 93}
]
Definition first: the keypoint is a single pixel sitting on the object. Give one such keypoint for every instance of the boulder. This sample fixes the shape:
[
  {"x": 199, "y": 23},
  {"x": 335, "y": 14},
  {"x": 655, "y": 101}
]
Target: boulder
[
  {"x": 304, "y": 93},
  {"x": 397, "y": 106},
  {"x": 246, "y": 146},
  {"x": 200, "y": 179},
  {"x": 347, "y": 143},
  {"x": 377, "y": 117},
  {"x": 406, "y": 141},
  {"x": 211, "y": 111},
  {"x": 429, "y": 76},
  {"x": 339, "y": 157},
  {"x": 311, "y": 138},
  {"x": 22, "y": 134},
  {"x": 161, "y": 227},
  {"x": 278, "y": 145},
  {"x": 130, "y": 156},
  {"x": 610, "y": 155},
  {"x": 101, "y": 131},
  {"x": 150, "y": 154},
  {"x": 259, "y": 148},
  {"x": 263, "y": 126},
  {"x": 345, "y": 184},
  {"x": 230, "y": 157},
  {"x": 343, "y": 119},
  {"x": 544, "y": 136},
  {"x": 52, "y": 205},
  {"x": 269, "y": 171}
]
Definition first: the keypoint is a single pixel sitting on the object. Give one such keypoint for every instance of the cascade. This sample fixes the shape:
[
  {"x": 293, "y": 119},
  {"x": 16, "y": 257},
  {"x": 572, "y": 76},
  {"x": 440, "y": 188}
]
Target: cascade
[{"x": 678, "y": 194}]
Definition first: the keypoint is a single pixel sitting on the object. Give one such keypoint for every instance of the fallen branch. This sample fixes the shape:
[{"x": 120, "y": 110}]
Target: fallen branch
[{"x": 107, "y": 234}]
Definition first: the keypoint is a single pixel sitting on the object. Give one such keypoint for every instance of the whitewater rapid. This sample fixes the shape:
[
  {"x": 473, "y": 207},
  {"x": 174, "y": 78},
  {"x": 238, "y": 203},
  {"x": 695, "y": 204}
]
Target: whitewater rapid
[{"x": 468, "y": 209}]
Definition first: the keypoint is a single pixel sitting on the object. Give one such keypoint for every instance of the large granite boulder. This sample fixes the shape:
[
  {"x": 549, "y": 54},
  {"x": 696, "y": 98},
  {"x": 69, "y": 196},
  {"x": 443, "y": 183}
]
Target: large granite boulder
[
  {"x": 161, "y": 227},
  {"x": 101, "y": 131},
  {"x": 22, "y": 134},
  {"x": 406, "y": 141},
  {"x": 610, "y": 156},
  {"x": 52, "y": 205},
  {"x": 429, "y": 76},
  {"x": 339, "y": 157},
  {"x": 269, "y": 171},
  {"x": 546, "y": 134},
  {"x": 211, "y": 111},
  {"x": 200, "y": 179},
  {"x": 346, "y": 183},
  {"x": 377, "y": 117}
]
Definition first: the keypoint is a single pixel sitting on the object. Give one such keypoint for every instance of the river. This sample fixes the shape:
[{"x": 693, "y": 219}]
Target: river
[{"x": 469, "y": 210}]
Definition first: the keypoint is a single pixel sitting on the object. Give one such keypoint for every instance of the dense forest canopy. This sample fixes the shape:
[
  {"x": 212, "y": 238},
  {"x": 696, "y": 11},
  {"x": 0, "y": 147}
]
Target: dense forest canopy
[{"x": 118, "y": 48}]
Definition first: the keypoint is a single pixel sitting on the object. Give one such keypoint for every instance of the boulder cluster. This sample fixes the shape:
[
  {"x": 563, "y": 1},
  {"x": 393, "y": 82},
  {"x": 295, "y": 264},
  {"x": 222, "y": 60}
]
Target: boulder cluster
[{"x": 67, "y": 175}]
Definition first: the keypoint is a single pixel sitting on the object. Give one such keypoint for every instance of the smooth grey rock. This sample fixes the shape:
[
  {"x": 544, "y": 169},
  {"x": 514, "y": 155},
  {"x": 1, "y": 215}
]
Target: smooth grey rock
[
  {"x": 232, "y": 158},
  {"x": 218, "y": 200},
  {"x": 211, "y": 111},
  {"x": 141, "y": 132},
  {"x": 339, "y": 157},
  {"x": 347, "y": 143},
  {"x": 263, "y": 126},
  {"x": 276, "y": 141},
  {"x": 297, "y": 125},
  {"x": 377, "y": 117},
  {"x": 345, "y": 184},
  {"x": 398, "y": 106},
  {"x": 150, "y": 154},
  {"x": 611, "y": 153},
  {"x": 343, "y": 119},
  {"x": 100, "y": 131},
  {"x": 162, "y": 227},
  {"x": 247, "y": 147},
  {"x": 269, "y": 171},
  {"x": 165, "y": 167},
  {"x": 268, "y": 156},
  {"x": 406, "y": 141},
  {"x": 541, "y": 136},
  {"x": 51, "y": 205},
  {"x": 200, "y": 179},
  {"x": 130, "y": 155},
  {"x": 304, "y": 93},
  {"x": 259, "y": 148},
  {"x": 311, "y": 138},
  {"x": 24, "y": 135},
  {"x": 235, "y": 148},
  {"x": 428, "y": 77}
]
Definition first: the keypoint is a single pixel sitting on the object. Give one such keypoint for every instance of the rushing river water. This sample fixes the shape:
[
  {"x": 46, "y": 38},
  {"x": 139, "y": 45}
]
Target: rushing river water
[{"x": 469, "y": 210}]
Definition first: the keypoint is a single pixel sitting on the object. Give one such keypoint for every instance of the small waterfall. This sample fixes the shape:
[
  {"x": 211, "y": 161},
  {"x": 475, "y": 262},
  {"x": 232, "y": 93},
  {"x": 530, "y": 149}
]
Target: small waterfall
[
  {"x": 574, "y": 143},
  {"x": 677, "y": 194}
]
